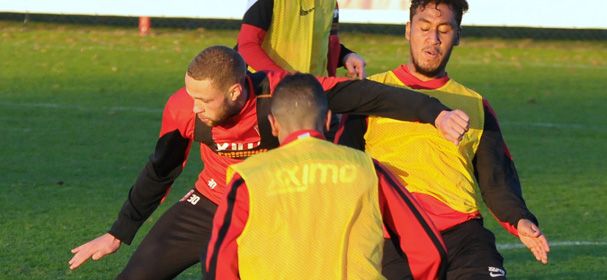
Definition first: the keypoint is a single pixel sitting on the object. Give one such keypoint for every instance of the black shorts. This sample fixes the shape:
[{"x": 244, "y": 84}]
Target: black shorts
[
  {"x": 177, "y": 241},
  {"x": 471, "y": 255}
]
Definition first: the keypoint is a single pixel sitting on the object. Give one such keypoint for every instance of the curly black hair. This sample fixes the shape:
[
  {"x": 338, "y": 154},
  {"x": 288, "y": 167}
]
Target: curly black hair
[{"x": 459, "y": 7}]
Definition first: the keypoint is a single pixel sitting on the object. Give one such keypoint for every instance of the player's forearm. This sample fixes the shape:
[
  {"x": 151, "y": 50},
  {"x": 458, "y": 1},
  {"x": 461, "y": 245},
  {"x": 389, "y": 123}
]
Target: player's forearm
[
  {"x": 153, "y": 182},
  {"x": 497, "y": 177},
  {"x": 144, "y": 197},
  {"x": 365, "y": 97},
  {"x": 501, "y": 191}
]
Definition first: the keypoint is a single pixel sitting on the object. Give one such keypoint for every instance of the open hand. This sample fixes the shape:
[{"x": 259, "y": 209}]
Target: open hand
[
  {"x": 95, "y": 249},
  {"x": 534, "y": 239}
]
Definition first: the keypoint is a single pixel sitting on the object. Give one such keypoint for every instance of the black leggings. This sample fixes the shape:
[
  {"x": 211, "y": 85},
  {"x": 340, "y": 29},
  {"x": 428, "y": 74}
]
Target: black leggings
[{"x": 177, "y": 241}]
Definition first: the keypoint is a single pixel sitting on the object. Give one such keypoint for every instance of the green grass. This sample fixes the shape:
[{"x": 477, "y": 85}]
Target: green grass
[{"x": 80, "y": 110}]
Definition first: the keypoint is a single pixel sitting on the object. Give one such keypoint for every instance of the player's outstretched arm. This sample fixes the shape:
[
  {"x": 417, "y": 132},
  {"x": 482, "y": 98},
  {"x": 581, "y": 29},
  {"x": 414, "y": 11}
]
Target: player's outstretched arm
[
  {"x": 531, "y": 235},
  {"x": 95, "y": 249},
  {"x": 366, "y": 97},
  {"x": 499, "y": 182},
  {"x": 452, "y": 125}
]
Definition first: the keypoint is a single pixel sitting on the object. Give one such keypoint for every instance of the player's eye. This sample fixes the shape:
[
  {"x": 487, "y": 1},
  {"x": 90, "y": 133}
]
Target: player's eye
[
  {"x": 444, "y": 29},
  {"x": 206, "y": 100}
]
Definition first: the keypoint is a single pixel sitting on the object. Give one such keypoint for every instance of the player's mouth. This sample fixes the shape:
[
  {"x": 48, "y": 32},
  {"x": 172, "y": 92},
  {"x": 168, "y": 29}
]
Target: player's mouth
[
  {"x": 431, "y": 52},
  {"x": 203, "y": 118}
]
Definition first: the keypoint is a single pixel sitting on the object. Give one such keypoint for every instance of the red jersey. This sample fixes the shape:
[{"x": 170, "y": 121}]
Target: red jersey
[{"x": 234, "y": 140}]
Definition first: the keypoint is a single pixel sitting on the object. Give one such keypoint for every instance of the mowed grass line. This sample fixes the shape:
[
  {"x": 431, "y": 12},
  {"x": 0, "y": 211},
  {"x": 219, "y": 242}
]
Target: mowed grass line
[{"x": 70, "y": 153}]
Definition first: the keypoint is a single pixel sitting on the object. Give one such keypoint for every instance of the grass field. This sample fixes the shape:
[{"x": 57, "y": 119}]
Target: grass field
[{"x": 80, "y": 108}]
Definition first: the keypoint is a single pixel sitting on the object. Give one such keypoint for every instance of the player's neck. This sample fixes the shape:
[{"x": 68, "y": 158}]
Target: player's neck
[
  {"x": 292, "y": 135},
  {"x": 423, "y": 77}
]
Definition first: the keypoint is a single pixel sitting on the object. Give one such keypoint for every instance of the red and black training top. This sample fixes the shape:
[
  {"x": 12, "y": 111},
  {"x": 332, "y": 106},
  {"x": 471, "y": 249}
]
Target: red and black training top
[{"x": 245, "y": 134}]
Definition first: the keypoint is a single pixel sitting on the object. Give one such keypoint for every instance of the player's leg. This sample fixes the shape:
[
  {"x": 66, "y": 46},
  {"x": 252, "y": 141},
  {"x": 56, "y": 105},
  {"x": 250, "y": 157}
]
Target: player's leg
[
  {"x": 472, "y": 253},
  {"x": 394, "y": 263},
  {"x": 175, "y": 242}
]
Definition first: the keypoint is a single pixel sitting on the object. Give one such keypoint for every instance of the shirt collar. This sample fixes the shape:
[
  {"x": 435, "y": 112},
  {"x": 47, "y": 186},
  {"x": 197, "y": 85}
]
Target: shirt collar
[
  {"x": 304, "y": 133},
  {"x": 405, "y": 76}
]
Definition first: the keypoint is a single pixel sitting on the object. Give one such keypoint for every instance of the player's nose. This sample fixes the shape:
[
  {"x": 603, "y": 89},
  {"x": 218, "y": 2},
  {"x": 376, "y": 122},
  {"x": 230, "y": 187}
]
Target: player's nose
[{"x": 198, "y": 108}]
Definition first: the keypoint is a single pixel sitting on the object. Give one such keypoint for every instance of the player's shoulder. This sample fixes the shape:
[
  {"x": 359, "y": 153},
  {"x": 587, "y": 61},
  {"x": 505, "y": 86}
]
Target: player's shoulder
[
  {"x": 180, "y": 97},
  {"x": 383, "y": 77},
  {"x": 456, "y": 87},
  {"x": 343, "y": 151},
  {"x": 264, "y": 82},
  {"x": 180, "y": 104}
]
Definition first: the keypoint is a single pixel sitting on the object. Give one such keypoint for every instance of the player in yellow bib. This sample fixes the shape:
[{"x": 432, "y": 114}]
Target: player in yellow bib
[
  {"x": 296, "y": 35},
  {"x": 443, "y": 177},
  {"x": 311, "y": 209}
]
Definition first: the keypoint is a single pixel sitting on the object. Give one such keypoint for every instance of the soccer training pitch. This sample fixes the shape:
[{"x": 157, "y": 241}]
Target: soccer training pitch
[{"x": 80, "y": 108}]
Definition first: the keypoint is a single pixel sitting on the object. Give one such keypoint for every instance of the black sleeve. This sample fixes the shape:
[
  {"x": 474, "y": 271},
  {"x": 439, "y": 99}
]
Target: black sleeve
[
  {"x": 352, "y": 134},
  {"x": 260, "y": 14},
  {"x": 165, "y": 164},
  {"x": 497, "y": 177},
  {"x": 343, "y": 51},
  {"x": 366, "y": 97}
]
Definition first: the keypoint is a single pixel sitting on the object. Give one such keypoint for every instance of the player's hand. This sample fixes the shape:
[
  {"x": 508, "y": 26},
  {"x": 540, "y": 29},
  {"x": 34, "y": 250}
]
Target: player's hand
[
  {"x": 534, "y": 239},
  {"x": 355, "y": 66},
  {"x": 95, "y": 249},
  {"x": 452, "y": 125}
]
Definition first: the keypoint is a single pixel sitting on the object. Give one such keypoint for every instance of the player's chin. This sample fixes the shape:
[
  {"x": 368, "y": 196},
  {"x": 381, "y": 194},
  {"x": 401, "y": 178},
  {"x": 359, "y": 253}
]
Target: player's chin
[
  {"x": 208, "y": 122},
  {"x": 429, "y": 69},
  {"x": 216, "y": 122},
  {"x": 431, "y": 65}
]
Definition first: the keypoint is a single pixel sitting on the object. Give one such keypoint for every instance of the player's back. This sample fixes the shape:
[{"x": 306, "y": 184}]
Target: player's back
[{"x": 313, "y": 214}]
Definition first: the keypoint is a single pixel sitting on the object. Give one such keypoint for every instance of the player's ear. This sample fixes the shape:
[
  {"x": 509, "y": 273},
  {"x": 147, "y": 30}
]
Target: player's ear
[
  {"x": 457, "y": 36},
  {"x": 234, "y": 91},
  {"x": 274, "y": 124},
  {"x": 408, "y": 31},
  {"x": 328, "y": 120}
]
